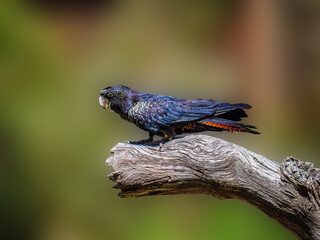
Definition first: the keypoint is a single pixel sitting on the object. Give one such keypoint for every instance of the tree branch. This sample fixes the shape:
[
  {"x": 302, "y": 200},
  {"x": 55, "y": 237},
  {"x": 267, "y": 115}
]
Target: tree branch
[{"x": 198, "y": 164}]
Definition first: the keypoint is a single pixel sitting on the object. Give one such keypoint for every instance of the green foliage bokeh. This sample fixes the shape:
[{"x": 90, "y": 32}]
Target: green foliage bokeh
[{"x": 55, "y": 137}]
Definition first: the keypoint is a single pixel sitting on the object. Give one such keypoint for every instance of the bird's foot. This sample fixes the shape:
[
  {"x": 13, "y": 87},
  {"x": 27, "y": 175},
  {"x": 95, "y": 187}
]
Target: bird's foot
[
  {"x": 144, "y": 141},
  {"x": 160, "y": 146},
  {"x": 163, "y": 141}
]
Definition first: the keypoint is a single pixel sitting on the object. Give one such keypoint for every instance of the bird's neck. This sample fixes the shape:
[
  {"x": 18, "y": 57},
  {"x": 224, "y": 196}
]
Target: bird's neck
[{"x": 131, "y": 99}]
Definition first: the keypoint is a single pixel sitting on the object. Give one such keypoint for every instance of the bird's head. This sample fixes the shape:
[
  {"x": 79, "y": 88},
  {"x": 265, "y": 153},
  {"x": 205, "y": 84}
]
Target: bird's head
[{"x": 115, "y": 98}]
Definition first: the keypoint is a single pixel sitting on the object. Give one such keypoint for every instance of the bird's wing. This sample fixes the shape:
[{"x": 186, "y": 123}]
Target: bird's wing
[{"x": 162, "y": 112}]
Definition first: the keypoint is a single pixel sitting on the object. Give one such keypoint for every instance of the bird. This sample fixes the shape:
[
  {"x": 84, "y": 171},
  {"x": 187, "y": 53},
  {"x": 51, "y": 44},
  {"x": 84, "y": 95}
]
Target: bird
[{"x": 167, "y": 116}]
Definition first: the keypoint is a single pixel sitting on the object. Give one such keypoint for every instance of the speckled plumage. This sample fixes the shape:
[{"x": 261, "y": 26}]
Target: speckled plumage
[{"x": 167, "y": 116}]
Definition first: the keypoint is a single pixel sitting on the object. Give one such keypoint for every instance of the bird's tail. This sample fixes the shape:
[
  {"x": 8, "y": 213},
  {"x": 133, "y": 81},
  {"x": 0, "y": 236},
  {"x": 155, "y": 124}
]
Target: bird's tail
[
  {"x": 233, "y": 112},
  {"x": 219, "y": 124}
]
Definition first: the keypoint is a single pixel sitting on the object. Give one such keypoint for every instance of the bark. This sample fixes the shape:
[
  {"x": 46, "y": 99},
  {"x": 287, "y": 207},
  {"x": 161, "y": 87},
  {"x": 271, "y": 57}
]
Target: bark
[{"x": 198, "y": 164}]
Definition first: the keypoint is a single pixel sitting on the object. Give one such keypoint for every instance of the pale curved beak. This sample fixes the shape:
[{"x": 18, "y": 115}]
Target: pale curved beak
[
  {"x": 105, "y": 103},
  {"x": 102, "y": 102}
]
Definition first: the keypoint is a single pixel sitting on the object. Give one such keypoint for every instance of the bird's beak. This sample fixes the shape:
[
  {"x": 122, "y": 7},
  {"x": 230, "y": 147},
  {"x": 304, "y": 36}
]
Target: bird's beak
[{"x": 105, "y": 103}]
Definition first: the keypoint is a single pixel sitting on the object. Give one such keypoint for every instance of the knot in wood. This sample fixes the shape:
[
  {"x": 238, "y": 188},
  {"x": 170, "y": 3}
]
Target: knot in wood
[
  {"x": 302, "y": 175},
  {"x": 296, "y": 171}
]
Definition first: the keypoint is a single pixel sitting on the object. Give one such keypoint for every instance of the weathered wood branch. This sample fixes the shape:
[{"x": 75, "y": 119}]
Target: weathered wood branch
[{"x": 287, "y": 192}]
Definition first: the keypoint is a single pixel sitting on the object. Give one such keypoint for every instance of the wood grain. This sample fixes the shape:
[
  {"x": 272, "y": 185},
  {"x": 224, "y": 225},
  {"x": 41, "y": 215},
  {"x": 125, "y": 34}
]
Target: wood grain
[{"x": 199, "y": 164}]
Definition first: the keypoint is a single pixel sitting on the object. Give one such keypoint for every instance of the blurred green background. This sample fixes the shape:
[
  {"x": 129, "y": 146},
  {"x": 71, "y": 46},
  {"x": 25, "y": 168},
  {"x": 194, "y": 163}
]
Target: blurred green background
[{"x": 55, "y": 58}]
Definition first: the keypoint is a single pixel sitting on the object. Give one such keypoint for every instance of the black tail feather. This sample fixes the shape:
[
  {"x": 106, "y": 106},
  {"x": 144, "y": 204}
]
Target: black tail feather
[{"x": 233, "y": 112}]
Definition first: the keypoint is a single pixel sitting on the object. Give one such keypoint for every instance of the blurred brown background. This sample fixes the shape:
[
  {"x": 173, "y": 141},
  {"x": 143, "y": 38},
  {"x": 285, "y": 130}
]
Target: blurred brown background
[{"x": 56, "y": 56}]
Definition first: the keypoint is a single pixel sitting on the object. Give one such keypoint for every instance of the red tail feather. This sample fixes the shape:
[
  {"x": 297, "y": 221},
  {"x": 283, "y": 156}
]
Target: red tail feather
[{"x": 228, "y": 125}]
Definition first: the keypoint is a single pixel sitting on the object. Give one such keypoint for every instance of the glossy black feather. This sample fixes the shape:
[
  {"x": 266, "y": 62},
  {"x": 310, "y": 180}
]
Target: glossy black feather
[{"x": 164, "y": 115}]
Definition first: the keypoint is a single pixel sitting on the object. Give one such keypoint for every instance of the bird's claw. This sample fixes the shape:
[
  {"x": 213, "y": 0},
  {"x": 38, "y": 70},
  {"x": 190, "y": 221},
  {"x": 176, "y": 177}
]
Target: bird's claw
[
  {"x": 139, "y": 142},
  {"x": 160, "y": 146}
]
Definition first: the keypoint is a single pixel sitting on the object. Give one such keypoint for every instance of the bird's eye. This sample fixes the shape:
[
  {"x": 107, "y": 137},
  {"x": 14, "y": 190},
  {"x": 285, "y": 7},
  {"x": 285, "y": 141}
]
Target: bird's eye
[{"x": 109, "y": 95}]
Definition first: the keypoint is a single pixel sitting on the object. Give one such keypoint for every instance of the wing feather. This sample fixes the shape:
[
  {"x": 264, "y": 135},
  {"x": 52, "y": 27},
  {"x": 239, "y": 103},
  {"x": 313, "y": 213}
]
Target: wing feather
[{"x": 158, "y": 112}]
